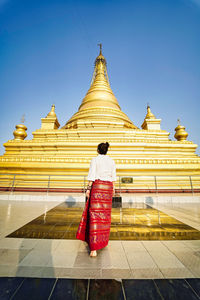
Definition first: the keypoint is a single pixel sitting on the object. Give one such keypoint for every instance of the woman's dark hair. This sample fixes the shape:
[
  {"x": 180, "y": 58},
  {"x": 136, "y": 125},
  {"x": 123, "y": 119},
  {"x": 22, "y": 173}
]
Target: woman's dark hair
[{"x": 103, "y": 148}]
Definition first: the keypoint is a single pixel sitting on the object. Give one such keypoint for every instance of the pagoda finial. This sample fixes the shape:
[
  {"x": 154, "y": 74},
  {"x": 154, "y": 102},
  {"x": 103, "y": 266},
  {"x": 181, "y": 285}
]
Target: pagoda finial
[
  {"x": 100, "y": 46},
  {"x": 100, "y": 70},
  {"x": 23, "y": 118},
  {"x": 149, "y": 114},
  {"x": 51, "y": 121},
  {"x": 150, "y": 121},
  {"x": 52, "y": 112}
]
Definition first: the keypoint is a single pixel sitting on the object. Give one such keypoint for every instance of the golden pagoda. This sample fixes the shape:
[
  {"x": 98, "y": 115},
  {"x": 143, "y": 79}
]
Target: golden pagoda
[{"x": 60, "y": 157}]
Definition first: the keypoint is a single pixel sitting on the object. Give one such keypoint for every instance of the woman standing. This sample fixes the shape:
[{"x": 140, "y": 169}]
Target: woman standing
[{"x": 94, "y": 227}]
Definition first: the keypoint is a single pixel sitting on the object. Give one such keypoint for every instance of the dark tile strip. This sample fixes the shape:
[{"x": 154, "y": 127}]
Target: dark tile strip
[
  {"x": 123, "y": 290},
  {"x": 12, "y": 297},
  {"x": 88, "y": 289},
  {"x": 194, "y": 284},
  {"x": 40, "y": 288},
  {"x": 105, "y": 289},
  {"x": 9, "y": 286},
  {"x": 176, "y": 289},
  {"x": 52, "y": 289},
  {"x": 69, "y": 289},
  {"x": 158, "y": 290},
  {"x": 34, "y": 288},
  {"x": 141, "y": 289}
]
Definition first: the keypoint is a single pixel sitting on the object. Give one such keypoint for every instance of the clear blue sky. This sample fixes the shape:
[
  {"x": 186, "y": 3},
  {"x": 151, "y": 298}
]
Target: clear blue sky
[{"x": 48, "y": 48}]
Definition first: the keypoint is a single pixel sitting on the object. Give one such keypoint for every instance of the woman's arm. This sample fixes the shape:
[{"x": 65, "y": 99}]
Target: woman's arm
[
  {"x": 91, "y": 177},
  {"x": 89, "y": 186},
  {"x": 114, "y": 177},
  {"x": 113, "y": 188}
]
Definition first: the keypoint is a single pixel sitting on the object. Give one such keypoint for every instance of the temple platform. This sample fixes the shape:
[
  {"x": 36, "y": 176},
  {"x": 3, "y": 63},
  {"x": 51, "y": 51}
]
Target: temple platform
[{"x": 39, "y": 251}]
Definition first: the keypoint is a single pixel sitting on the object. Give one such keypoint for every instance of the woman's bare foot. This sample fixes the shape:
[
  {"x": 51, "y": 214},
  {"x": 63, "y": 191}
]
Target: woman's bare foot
[{"x": 93, "y": 253}]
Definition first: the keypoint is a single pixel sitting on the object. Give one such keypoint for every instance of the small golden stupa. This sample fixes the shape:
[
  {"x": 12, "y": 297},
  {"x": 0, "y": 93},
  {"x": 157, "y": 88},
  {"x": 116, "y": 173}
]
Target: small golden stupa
[{"x": 64, "y": 154}]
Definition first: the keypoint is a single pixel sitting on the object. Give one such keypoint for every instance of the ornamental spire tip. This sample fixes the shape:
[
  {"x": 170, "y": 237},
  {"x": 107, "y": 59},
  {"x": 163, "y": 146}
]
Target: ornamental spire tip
[
  {"x": 23, "y": 118},
  {"x": 100, "y": 46}
]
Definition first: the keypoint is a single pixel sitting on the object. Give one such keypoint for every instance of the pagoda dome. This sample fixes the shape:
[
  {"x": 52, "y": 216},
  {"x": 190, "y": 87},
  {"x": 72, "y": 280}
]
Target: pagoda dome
[{"x": 181, "y": 134}]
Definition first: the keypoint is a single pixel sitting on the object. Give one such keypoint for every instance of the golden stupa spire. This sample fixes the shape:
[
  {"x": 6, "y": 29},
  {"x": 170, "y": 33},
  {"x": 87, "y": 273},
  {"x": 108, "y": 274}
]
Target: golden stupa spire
[
  {"x": 150, "y": 121},
  {"x": 100, "y": 106},
  {"x": 100, "y": 69},
  {"x": 149, "y": 114},
  {"x": 51, "y": 121},
  {"x": 52, "y": 111},
  {"x": 100, "y": 93}
]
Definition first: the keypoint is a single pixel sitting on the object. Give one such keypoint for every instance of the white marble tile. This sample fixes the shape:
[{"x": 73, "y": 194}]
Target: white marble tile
[
  {"x": 163, "y": 257},
  {"x": 190, "y": 260},
  {"x": 141, "y": 260},
  {"x": 36, "y": 258},
  {"x": 60, "y": 259},
  {"x": 17, "y": 243},
  {"x": 7, "y": 270},
  {"x": 81, "y": 273},
  {"x": 194, "y": 244},
  {"x": 177, "y": 246},
  {"x": 26, "y": 271},
  {"x": 83, "y": 247},
  {"x": 147, "y": 273},
  {"x": 13, "y": 256},
  {"x": 116, "y": 273},
  {"x": 53, "y": 272},
  {"x": 84, "y": 261},
  {"x": 10, "y": 243},
  {"x": 133, "y": 246},
  {"x": 116, "y": 260},
  {"x": 176, "y": 273},
  {"x": 48, "y": 245},
  {"x": 154, "y": 246},
  {"x": 66, "y": 246},
  {"x": 114, "y": 246}
]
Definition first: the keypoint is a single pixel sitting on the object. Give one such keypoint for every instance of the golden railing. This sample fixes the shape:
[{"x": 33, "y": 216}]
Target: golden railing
[{"x": 50, "y": 183}]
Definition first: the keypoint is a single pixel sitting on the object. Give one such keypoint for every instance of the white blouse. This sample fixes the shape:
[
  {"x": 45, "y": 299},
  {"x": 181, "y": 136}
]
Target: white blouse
[{"x": 102, "y": 167}]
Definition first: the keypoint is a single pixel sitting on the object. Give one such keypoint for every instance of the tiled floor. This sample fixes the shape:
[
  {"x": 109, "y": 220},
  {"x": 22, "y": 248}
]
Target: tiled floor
[
  {"x": 121, "y": 259},
  {"x": 150, "y": 266},
  {"x": 44, "y": 261}
]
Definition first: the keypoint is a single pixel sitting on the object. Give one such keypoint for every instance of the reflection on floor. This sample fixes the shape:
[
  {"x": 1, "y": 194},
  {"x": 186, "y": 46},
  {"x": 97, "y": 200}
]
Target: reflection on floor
[{"x": 134, "y": 222}]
